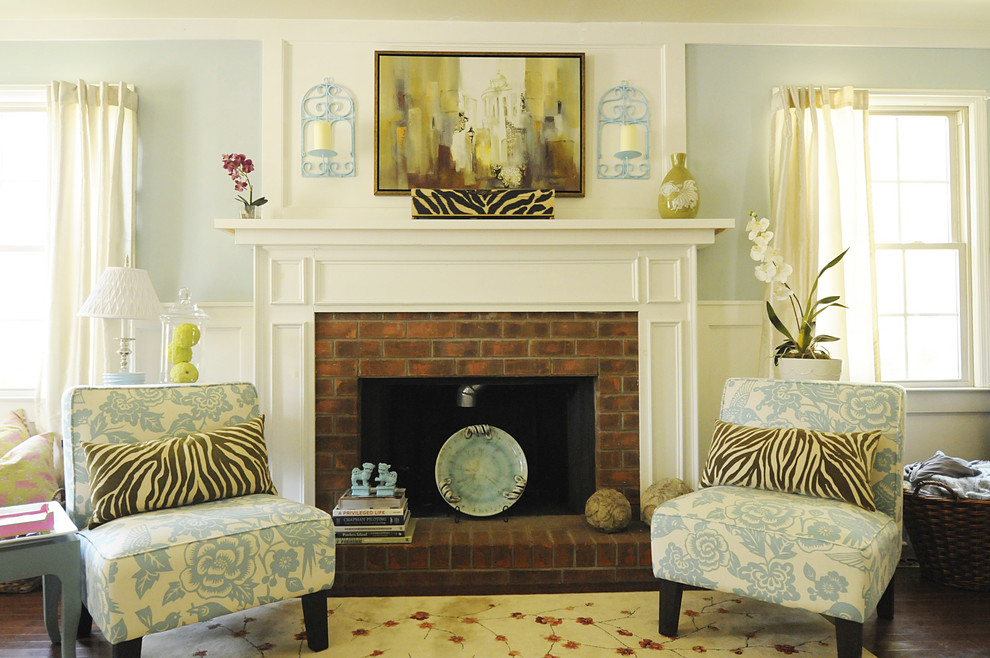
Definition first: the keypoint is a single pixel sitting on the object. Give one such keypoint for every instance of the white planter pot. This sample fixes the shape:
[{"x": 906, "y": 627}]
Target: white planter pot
[{"x": 812, "y": 369}]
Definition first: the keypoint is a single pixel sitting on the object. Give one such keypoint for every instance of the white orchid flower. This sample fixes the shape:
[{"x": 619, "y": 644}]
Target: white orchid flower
[
  {"x": 756, "y": 226},
  {"x": 758, "y": 252},
  {"x": 765, "y": 271},
  {"x": 772, "y": 254},
  {"x": 780, "y": 291},
  {"x": 783, "y": 271}
]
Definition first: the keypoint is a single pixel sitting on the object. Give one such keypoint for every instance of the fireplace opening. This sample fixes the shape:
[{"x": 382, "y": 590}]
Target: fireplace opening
[{"x": 405, "y": 422}]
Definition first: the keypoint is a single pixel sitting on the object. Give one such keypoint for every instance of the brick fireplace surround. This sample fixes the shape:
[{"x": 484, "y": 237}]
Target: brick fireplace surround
[
  {"x": 378, "y": 283},
  {"x": 484, "y": 553}
]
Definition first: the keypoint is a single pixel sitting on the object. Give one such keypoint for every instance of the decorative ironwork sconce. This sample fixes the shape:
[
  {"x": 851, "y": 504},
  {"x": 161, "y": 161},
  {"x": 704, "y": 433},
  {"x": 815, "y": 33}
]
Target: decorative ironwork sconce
[
  {"x": 624, "y": 124},
  {"x": 327, "y": 124}
]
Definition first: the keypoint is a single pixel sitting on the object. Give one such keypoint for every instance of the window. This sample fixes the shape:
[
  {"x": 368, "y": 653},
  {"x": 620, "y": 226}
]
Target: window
[
  {"x": 925, "y": 212},
  {"x": 24, "y": 189}
]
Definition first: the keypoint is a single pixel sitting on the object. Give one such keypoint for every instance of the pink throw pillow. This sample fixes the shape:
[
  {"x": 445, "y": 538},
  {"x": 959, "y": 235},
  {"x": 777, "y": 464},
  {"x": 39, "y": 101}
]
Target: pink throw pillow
[{"x": 13, "y": 430}]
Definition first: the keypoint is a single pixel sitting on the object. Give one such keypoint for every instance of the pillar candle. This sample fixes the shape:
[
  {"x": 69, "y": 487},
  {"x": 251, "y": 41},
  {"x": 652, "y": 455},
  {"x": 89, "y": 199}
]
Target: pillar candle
[
  {"x": 627, "y": 139},
  {"x": 322, "y": 139}
]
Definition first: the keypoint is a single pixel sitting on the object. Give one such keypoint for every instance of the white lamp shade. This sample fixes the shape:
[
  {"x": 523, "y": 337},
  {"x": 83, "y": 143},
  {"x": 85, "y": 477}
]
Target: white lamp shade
[{"x": 124, "y": 293}]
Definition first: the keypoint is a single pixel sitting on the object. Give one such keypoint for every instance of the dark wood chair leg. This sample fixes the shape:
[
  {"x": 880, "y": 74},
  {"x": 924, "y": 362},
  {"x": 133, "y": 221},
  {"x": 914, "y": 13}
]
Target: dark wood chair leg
[
  {"x": 848, "y": 639},
  {"x": 885, "y": 606},
  {"x": 315, "y": 618},
  {"x": 85, "y": 623},
  {"x": 670, "y": 606},
  {"x": 128, "y": 649}
]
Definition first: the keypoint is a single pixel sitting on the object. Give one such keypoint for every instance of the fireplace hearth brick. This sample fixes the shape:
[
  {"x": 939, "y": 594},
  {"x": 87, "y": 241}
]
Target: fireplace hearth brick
[{"x": 492, "y": 556}]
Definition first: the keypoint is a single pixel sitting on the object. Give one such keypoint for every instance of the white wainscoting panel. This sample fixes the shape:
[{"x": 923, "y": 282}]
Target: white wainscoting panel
[
  {"x": 728, "y": 346},
  {"x": 288, "y": 280},
  {"x": 667, "y": 458},
  {"x": 291, "y": 414},
  {"x": 664, "y": 280},
  {"x": 955, "y": 421}
]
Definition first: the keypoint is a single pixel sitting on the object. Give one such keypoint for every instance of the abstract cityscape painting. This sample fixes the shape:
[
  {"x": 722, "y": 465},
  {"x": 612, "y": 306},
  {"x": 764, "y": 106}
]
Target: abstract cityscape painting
[{"x": 480, "y": 121}]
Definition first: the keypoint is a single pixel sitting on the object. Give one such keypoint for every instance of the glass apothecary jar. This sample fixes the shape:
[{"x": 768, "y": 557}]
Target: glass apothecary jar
[{"x": 182, "y": 331}]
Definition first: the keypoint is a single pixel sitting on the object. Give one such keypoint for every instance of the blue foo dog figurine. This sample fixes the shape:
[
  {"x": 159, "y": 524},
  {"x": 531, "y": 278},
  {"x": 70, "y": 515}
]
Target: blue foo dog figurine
[
  {"x": 361, "y": 480},
  {"x": 386, "y": 480}
]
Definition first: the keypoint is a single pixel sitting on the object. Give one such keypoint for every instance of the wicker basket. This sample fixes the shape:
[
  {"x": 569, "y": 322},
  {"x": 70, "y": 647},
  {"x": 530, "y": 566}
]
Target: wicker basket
[
  {"x": 21, "y": 586},
  {"x": 950, "y": 537}
]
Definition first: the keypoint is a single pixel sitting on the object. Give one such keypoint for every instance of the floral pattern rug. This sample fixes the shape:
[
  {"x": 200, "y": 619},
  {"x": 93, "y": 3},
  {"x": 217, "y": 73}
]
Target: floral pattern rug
[{"x": 526, "y": 626}]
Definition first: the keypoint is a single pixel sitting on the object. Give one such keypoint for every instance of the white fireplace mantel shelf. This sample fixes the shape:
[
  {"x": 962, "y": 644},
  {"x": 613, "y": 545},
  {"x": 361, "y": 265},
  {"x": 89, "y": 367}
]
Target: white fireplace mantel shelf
[
  {"x": 509, "y": 232},
  {"x": 306, "y": 266}
]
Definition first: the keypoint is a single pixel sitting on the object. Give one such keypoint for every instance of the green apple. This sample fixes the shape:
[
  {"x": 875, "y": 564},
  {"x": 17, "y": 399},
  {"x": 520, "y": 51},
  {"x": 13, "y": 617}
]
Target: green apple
[
  {"x": 183, "y": 373},
  {"x": 178, "y": 353},
  {"x": 186, "y": 335}
]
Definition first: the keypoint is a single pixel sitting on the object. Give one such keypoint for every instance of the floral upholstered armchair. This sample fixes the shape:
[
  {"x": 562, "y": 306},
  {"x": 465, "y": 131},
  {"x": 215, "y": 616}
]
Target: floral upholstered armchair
[
  {"x": 181, "y": 522},
  {"x": 800, "y": 504}
]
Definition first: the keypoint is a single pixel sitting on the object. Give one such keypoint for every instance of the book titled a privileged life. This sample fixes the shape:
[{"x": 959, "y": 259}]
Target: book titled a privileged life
[{"x": 370, "y": 517}]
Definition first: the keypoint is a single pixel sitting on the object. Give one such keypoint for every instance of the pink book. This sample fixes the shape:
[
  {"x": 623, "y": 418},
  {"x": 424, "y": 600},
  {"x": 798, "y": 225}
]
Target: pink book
[{"x": 25, "y": 519}]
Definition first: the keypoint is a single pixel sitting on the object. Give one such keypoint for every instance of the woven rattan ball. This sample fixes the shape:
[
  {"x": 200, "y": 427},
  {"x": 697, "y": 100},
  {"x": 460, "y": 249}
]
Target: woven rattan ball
[
  {"x": 660, "y": 492},
  {"x": 607, "y": 510}
]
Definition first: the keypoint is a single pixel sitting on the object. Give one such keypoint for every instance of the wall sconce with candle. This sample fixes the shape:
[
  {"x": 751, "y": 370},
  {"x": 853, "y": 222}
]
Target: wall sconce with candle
[
  {"x": 327, "y": 132},
  {"x": 624, "y": 132}
]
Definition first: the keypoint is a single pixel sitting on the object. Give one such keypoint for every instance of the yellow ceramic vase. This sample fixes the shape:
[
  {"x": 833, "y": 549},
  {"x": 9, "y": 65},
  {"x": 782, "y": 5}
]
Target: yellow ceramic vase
[{"x": 679, "y": 197}]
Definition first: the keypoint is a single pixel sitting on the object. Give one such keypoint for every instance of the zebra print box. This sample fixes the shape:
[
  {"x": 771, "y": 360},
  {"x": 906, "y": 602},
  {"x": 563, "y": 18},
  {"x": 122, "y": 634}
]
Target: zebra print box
[{"x": 482, "y": 204}]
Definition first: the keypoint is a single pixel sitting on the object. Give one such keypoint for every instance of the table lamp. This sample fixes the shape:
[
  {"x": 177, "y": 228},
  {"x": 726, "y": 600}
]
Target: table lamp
[{"x": 125, "y": 294}]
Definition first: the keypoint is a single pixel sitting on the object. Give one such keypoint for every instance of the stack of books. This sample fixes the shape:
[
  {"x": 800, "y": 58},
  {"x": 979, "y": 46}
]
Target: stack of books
[{"x": 373, "y": 519}]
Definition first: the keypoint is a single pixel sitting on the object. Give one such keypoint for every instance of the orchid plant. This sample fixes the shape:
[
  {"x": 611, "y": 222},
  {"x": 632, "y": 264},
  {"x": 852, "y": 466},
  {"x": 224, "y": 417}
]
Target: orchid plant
[
  {"x": 238, "y": 166},
  {"x": 803, "y": 343}
]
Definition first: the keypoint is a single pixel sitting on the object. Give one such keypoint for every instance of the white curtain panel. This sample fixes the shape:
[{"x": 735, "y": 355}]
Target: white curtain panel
[
  {"x": 819, "y": 205},
  {"x": 94, "y": 168}
]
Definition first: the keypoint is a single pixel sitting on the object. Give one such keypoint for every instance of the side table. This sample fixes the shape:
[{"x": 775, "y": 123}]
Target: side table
[{"x": 55, "y": 557}]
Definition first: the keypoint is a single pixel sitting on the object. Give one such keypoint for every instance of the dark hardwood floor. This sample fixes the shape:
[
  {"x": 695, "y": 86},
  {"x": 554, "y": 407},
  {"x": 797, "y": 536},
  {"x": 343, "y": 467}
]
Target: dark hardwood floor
[{"x": 930, "y": 621}]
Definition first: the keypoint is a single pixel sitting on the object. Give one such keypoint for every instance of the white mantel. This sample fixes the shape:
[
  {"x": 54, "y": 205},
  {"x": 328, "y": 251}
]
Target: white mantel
[{"x": 305, "y": 266}]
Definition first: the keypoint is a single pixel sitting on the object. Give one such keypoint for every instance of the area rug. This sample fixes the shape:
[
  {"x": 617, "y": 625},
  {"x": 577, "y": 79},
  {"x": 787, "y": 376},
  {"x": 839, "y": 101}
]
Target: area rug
[{"x": 526, "y": 626}]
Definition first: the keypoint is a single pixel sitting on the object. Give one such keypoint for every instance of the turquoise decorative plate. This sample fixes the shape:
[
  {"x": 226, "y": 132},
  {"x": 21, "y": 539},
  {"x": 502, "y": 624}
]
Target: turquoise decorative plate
[{"x": 481, "y": 470}]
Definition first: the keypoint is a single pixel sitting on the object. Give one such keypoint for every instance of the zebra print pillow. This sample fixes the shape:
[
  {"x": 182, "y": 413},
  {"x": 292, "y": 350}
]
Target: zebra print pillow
[
  {"x": 792, "y": 460},
  {"x": 128, "y": 478}
]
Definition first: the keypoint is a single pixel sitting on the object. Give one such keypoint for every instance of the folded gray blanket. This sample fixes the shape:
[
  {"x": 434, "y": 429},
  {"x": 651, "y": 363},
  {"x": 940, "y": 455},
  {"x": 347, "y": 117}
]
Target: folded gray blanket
[
  {"x": 939, "y": 464},
  {"x": 968, "y": 479}
]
